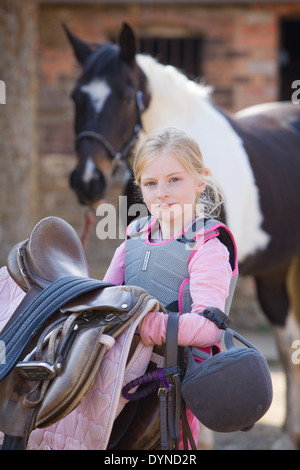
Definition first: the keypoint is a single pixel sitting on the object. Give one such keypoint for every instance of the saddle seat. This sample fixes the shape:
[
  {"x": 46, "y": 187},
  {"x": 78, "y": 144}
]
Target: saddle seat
[{"x": 52, "y": 251}]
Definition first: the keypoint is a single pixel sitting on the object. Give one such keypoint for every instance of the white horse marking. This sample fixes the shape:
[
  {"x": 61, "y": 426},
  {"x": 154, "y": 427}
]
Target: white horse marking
[
  {"x": 89, "y": 171},
  {"x": 179, "y": 102},
  {"x": 98, "y": 90}
]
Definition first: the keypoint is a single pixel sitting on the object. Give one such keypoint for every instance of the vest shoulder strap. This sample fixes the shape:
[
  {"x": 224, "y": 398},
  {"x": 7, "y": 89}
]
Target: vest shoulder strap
[{"x": 137, "y": 226}]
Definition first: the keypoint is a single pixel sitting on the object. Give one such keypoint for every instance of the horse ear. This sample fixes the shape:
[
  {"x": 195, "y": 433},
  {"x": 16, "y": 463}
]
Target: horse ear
[
  {"x": 81, "y": 49},
  {"x": 127, "y": 44}
]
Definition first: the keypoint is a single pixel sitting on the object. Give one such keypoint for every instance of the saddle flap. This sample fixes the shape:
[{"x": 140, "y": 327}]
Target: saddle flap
[
  {"x": 70, "y": 387},
  {"x": 84, "y": 357},
  {"x": 14, "y": 417},
  {"x": 114, "y": 298}
]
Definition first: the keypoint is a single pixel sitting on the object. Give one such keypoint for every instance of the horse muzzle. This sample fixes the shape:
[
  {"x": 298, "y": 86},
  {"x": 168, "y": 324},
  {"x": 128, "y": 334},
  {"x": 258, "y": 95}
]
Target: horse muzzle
[{"x": 89, "y": 189}]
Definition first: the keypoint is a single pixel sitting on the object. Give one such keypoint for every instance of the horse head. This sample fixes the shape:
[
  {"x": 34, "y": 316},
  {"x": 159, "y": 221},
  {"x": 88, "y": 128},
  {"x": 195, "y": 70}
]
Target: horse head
[{"x": 109, "y": 97}]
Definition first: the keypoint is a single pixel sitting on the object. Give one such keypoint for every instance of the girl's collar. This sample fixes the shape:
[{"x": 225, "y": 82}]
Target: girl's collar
[{"x": 154, "y": 229}]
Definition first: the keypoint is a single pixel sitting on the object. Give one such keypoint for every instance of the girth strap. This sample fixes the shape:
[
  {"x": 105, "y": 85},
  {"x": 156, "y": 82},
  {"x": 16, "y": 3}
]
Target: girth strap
[
  {"x": 170, "y": 399},
  {"x": 167, "y": 381},
  {"x": 172, "y": 406},
  {"x": 45, "y": 304}
]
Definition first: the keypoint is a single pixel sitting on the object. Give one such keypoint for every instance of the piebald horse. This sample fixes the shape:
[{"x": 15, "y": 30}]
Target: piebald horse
[{"x": 254, "y": 154}]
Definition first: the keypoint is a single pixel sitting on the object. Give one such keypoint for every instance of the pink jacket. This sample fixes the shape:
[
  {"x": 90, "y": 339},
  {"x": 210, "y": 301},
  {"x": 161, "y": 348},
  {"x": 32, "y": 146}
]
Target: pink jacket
[{"x": 210, "y": 276}]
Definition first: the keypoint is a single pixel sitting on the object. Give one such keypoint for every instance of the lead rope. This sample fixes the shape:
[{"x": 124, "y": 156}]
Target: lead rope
[{"x": 89, "y": 220}]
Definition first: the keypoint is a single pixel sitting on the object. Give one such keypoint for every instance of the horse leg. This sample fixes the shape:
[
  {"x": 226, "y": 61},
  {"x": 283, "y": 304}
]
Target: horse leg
[
  {"x": 273, "y": 295},
  {"x": 293, "y": 283},
  {"x": 290, "y": 338},
  {"x": 285, "y": 338}
]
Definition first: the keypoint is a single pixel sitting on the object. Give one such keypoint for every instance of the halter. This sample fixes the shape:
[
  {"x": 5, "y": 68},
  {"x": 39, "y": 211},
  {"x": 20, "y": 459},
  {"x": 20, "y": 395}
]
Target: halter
[{"x": 117, "y": 157}]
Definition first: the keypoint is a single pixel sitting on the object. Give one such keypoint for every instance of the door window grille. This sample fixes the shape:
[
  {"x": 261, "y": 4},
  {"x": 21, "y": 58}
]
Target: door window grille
[{"x": 182, "y": 53}]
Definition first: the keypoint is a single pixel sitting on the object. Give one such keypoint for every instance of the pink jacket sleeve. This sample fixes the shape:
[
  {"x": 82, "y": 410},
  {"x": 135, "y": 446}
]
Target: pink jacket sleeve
[
  {"x": 210, "y": 276},
  {"x": 115, "y": 273}
]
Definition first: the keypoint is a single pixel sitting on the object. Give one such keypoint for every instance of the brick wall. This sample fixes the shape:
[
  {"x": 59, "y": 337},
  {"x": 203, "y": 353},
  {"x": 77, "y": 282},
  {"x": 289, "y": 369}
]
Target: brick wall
[{"x": 240, "y": 53}]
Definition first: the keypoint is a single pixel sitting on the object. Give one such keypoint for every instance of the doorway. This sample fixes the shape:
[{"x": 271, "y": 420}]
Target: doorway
[
  {"x": 289, "y": 59},
  {"x": 183, "y": 53}
]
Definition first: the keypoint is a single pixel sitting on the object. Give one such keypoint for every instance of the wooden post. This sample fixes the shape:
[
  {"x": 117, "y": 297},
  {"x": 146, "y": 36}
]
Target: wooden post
[{"x": 18, "y": 140}]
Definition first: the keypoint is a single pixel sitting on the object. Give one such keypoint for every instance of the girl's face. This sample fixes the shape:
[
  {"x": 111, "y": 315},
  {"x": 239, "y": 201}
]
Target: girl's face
[{"x": 170, "y": 192}]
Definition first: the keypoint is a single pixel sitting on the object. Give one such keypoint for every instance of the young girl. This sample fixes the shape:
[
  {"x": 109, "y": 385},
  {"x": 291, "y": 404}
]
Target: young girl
[
  {"x": 178, "y": 191},
  {"x": 172, "y": 254}
]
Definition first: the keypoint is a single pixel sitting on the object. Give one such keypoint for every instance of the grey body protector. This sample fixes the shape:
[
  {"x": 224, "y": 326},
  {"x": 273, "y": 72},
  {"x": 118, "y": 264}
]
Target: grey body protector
[{"x": 162, "y": 268}]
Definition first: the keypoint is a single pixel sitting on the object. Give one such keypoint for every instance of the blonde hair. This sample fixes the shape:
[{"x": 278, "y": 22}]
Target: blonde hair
[{"x": 187, "y": 150}]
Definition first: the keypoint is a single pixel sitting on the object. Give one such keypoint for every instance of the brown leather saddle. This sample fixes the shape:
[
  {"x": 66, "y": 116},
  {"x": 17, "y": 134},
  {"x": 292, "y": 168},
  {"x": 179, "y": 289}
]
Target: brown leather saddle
[{"x": 64, "y": 315}]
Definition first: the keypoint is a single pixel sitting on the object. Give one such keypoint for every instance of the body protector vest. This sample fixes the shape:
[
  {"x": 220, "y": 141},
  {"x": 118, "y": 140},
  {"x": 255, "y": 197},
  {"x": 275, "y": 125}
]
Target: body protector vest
[
  {"x": 241, "y": 373},
  {"x": 161, "y": 268}
]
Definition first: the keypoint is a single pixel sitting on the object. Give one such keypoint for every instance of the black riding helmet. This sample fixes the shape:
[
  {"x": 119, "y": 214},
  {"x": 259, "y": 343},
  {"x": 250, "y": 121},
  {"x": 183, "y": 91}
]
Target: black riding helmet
[{"x": 230, "y": 391}]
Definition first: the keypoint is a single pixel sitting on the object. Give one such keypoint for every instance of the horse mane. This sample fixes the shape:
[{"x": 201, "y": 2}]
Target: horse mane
[{"x": 162, "y": 76}]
